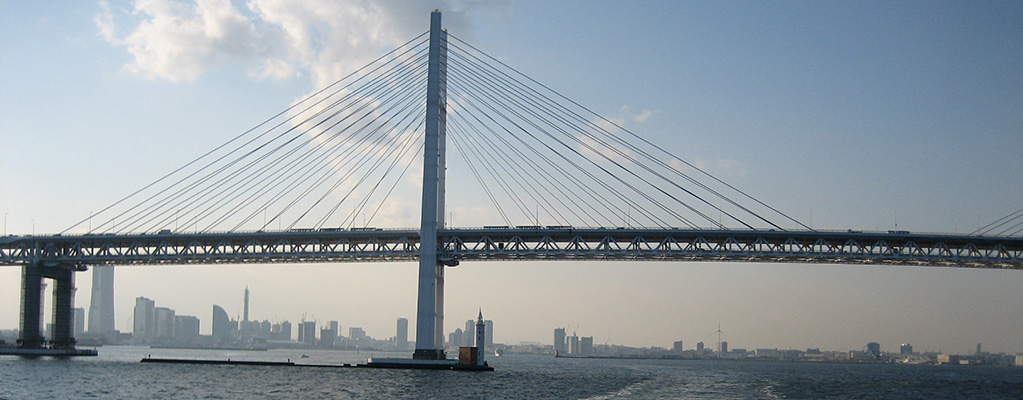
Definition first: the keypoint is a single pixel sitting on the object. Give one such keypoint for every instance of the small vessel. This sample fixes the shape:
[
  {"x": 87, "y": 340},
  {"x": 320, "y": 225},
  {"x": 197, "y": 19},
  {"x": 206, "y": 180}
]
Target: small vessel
[
  {"x": 304, "y": 356},
  {"x": 499, "y": 352}
]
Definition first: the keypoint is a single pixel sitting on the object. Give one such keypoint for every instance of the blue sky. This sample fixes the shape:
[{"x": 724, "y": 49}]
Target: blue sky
[{"x": 844, "y": 115}]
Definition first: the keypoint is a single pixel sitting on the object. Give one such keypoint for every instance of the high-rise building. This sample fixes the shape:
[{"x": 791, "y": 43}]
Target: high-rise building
[
  {"x": 144, "y": 327},
  {"x": 401, "y": 334},
  {"x": 101, "y": 305},
  {"x": 573, "y": 345},
  {"x": 559, "y": 341},
  {"x": 677, "y": 346},
  {"x": 79, "y": 321},
  {"x": 307, "y": 332},
  {"x": 724, "y": 347},
  {"x": 906, "y": 349},
  {"x": 699, "y": 347},
  {"x": 285, "y": 330},
  {"x": 356, "y": 333},
  {"x": 586, "y": 346},
  {"x": 222, "y": 326},
  {"x": 470, "y": 340},
  {"x": 163, "y": 323},
  {"x": 978, "y": 349}
]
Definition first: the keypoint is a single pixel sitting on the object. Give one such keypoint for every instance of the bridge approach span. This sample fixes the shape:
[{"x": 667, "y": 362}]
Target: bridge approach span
[{"x": 519, "y": 243}]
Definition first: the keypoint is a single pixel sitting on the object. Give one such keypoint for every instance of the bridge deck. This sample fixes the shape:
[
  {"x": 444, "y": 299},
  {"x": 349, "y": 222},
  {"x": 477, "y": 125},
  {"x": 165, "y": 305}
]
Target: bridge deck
[{"x": 519, "y": 243}]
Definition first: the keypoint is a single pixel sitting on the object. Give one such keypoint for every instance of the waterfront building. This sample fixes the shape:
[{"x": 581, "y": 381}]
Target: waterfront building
[
  {"x": 143, "y": 328},
  {"x": 906, "y": 349},
  {"x": 677, "y": 346},
  {"x": 101, "y": 304},
  {"x": 699, "y": 347},
  {"x": 724, "y": 347}
]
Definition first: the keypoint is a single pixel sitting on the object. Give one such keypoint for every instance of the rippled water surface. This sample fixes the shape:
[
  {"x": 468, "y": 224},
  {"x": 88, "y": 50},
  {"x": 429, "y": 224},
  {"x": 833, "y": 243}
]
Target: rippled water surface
[{"x": 117, "y": 373}]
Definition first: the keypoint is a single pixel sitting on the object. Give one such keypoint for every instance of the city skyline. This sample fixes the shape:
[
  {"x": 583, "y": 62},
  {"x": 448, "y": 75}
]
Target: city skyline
[{"x": 876, "y": 115}]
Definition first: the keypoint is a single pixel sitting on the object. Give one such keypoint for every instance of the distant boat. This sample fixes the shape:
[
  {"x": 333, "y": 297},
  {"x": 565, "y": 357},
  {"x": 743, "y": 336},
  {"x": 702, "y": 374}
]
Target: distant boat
[
  {"x": 304, "y": 356},
  {"x": 498, "y": 352}
]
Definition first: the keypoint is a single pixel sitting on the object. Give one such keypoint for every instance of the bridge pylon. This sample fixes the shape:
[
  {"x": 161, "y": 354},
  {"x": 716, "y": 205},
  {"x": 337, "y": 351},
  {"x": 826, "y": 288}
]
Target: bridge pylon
[{"x": 430, "y": 313}]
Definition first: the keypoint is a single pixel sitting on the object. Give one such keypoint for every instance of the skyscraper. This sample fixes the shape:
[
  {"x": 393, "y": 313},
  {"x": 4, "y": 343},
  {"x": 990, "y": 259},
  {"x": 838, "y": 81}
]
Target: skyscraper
[
  {"x": 470, "y": 340},
  {"x": 559, "y": 342},
  {"x": 101, "y": 306},
  {"x": 144, "y": 327},
  {"x": 222, "y": 331},
  {"x": 490, "y": 334},
  {"x": 401, "y": 335}
]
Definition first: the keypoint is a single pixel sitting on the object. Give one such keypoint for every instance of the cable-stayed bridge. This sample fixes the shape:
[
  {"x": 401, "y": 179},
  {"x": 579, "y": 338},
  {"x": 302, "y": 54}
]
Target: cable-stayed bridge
[{"x": 546, "y": 179}]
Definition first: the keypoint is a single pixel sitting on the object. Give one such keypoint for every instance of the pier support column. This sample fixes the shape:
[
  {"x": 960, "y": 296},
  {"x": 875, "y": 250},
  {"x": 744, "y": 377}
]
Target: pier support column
[
  {"x": 63, "y": 307},
  {"x": 30, "y": 334}
]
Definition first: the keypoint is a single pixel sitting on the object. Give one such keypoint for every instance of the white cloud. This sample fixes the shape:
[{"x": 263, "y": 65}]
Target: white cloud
[{"x": 278, "y": 39}]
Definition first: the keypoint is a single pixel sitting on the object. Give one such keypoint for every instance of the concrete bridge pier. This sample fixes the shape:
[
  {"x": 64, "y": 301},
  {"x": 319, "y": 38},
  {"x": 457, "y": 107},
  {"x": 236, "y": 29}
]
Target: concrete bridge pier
[
  {"x": 32, "y": 286},
  {"x": 30, "y": 335}
]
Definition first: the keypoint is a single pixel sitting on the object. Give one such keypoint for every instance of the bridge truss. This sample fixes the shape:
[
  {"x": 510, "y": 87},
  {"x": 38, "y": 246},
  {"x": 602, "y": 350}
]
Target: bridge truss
[{"x": 528, "y": 243}]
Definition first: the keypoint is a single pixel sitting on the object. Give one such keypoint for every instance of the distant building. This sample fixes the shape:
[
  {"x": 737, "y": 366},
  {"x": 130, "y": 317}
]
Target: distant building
[
  {"x": 490, "y": 333},
  {"x": 101, "y": 305},
  {"x": 186, "y": 328},
  {"x": 573, "y": 345},
  {"x": 586, "y": 346},
  {"x": 79, "y": 321},
  {"x": 699, "y": 347},
  {"x": 470, "y": 340},
  {"x": 328, "y": 335},
  {"x": 163, "y": 323},
  {"x": 906, "y": 349},
  {"x": 281, "y": 331},
  {"x": 144, "y": 328},
  {"x": 356, "y": 333},
  {"x": 457, "y": 337},
  {"x": 222, "y": 326},
  {"x": 979, "y": 352},
  {"x": 874, "y": 350},
  {"x": 559, "y": 341},
  {"x": 307, "y": 332},
  {"x": 724, "y": 347},
  {"x": 677, "y": 346},
  {"x": 401, "y": 334}
]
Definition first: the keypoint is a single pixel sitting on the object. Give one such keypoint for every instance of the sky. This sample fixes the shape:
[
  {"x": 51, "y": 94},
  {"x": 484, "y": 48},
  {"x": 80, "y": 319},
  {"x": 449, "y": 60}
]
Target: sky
[{"x": 866, "y": 115}]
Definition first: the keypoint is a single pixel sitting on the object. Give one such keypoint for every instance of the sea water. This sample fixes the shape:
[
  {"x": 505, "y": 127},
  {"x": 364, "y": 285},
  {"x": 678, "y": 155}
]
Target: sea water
[{"x": 117, "y": 374}]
